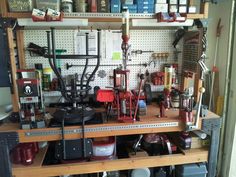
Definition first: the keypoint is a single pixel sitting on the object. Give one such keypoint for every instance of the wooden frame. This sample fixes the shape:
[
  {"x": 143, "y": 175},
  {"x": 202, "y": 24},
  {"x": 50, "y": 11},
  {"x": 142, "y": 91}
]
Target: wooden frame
[
  {"x": 11, "y": 46},
  {"x": 20, "y": 48}
]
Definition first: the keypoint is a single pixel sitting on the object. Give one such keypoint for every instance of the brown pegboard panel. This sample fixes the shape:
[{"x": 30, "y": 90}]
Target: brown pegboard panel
[{"x": 192, "y": 51}]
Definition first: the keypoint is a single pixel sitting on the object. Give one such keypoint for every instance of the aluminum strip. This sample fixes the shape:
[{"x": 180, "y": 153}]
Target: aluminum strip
[
  {"x": 102, "y": 129},
  {"x": 107, "y": 15}
]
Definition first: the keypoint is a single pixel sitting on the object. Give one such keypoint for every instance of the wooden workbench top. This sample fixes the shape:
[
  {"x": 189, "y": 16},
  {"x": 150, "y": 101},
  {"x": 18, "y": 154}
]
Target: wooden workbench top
[{"x": 149, "y": 123}]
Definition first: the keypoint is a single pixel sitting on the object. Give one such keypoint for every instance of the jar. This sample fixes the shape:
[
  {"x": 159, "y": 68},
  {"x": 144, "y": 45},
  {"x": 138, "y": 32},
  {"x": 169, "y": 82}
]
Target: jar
[
  {"x": 47, "y": 78},
  {"x": 80, "y": 6},
  {"x": 67, "y": 6}
]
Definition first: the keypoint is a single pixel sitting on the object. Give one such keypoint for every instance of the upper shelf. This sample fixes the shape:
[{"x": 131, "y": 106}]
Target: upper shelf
[{"x": 100, "y": 17}]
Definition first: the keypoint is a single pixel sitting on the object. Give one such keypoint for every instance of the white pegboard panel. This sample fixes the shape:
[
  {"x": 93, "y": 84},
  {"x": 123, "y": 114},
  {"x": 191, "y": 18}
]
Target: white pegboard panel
[{"x": 155, "y": 40}]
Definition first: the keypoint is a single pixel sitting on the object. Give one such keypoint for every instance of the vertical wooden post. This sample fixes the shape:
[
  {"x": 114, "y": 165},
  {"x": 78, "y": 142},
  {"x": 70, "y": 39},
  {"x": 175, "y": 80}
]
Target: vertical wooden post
[
  {"x": 15, "y": 100},
  {"x": 20, "y": 48},
  {"x": 3, "y": 8},
  {"x": 204, "y": 9}
]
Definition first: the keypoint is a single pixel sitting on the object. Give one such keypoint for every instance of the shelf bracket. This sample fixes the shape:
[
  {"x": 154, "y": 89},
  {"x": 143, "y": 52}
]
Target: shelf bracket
[{"x": 7, "y": 142}]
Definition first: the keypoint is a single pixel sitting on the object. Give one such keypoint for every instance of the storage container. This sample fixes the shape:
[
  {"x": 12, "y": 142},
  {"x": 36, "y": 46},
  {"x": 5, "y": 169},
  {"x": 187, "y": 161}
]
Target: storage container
[
  {"x": 191, "y": 170},
  {"x": 104, "y": 148},
  {"x": 20, "y": 5},
  {"x": 45, "y": 4},
  {"x": 67, "y": 6},
  {"x": 80, "y": 5}
]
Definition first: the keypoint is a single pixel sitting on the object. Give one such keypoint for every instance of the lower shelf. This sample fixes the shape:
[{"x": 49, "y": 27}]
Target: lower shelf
[{"x": 187, "y": 156}]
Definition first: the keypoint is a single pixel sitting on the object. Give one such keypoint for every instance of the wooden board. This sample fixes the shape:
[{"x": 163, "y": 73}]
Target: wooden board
[
  {"x": 20, "y": 48},
  {"x": 150, "y": 118},
  {"x": 15, "y": 99},
  {"x": 194, "y": 156}
]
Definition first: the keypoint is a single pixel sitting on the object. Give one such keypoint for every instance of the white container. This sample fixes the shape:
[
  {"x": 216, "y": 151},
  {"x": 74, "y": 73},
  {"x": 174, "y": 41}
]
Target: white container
[{"x": 101, "y": 149}]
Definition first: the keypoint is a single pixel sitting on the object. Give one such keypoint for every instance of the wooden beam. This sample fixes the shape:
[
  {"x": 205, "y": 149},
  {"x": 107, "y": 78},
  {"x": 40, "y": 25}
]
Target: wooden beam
[
  {"x": 14, "y": 95},
  {"x": 112, "y": 165},
  {"x": 20, "y": 48},
  {"x": 3, "y": 8},
  {"x": 204, "y": 9}
]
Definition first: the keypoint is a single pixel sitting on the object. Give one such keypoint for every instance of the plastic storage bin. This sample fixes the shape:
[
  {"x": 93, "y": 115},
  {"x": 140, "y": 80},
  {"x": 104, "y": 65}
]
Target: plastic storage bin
[
  {"x": 45, "y": 4},
  {"x": 20, "y": 5},
  {"x": 191, "y": 170}
]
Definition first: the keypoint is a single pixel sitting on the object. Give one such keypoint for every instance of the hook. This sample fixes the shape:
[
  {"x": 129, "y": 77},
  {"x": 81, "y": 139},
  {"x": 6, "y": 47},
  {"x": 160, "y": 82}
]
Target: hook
[
  {"x": 91, "y": 28},
  {"x": 109, "y": 28},
  {"x": 78, "y": 29}
]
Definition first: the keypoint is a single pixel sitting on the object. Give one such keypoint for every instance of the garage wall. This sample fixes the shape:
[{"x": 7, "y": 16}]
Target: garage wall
[
  {"x": 216, "y": 11},
  {"x": 222, "y": 10},
  {"x": 232, "y": 123}
]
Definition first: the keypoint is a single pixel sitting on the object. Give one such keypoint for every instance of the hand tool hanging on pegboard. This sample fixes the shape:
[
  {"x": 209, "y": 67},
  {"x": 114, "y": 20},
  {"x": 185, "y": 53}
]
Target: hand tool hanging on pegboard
[{"x": 214, "y": 68}]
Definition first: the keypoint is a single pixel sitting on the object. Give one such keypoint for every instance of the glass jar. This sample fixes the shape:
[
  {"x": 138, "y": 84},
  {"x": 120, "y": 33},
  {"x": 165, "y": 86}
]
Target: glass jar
[{"x": 67, "y": 6}]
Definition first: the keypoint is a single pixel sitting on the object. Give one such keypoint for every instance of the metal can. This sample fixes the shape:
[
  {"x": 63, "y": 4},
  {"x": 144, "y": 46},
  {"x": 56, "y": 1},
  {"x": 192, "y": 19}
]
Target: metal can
[
  {"x": 47, "y": 78},
  {"x": 80, "y": 6},
  {"x": 67, "y": 6}
]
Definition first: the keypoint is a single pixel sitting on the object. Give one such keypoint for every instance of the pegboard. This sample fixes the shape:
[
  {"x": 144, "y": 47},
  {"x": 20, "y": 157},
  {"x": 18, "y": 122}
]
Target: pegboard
[{"x": 157, "y": 40}]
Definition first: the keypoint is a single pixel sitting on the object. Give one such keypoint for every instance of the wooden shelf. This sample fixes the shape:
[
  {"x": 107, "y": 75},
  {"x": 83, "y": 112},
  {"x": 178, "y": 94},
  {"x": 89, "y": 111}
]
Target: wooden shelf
[
  {"x": 96, "y": 17},
  {"x": 147, "y": 124},
  {"x": 190, "y": 156}
]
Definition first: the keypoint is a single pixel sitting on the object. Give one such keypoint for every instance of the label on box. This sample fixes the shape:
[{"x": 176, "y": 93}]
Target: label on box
[
  {"x": 183, "y": 2},
  {"x": 182, "y": 9},
  {"x": 103, "y": 5},
  {"x": 161, "y": 8},
  {"x": 161, "y": 1},
  {"x": 173, "y": 1},
  {"x": 173, "y": 8},
  {"x": 128, "y": 2},
  {"x": 192, "y": 9}
]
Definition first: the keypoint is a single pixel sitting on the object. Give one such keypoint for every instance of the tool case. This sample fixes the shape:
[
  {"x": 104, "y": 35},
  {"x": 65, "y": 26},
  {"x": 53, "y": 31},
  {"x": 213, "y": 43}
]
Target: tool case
[{"x": 191, "y": 170}]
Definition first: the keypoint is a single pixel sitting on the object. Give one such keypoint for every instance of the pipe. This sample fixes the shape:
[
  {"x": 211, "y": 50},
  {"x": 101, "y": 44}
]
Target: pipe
[
  {"x": 53, "y": 66},
  {"x": 227, "y": 86},
  {"x": 86, "y": 63}
]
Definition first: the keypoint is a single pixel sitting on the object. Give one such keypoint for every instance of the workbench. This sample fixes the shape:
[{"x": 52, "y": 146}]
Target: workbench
[{"x": 11, "y": 135}]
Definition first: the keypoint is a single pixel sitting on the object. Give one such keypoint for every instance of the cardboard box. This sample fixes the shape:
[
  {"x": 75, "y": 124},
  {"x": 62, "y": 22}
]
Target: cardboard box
[
  {"x": 173, "y": 8},
  {"x": 161, "y": 1},
  {"x": 103, "y": 6},
  {"x": 192, "y": 9},
  {"x": 183, "y": 9},
  {"x": 183, "y": 2},
  {"x": 161, "y": 8},
  {"x": 115, "y": 6},
  {"x": 173, "y": 1}
]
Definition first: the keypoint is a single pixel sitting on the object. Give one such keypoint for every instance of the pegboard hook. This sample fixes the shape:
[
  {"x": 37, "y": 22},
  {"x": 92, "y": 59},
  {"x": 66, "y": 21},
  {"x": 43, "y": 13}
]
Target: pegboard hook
[
  {"x": 91, "y": 28},
  {"x": 78, "y": 29},
  {"x": 109, "y": 28}
]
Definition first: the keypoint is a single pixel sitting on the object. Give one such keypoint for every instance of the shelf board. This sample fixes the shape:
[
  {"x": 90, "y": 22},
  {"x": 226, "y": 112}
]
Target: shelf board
[
  {"x": 193, "y": 156},
  {"x": 147, "y": 124},
  {"x": 100, "y": 17}
]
